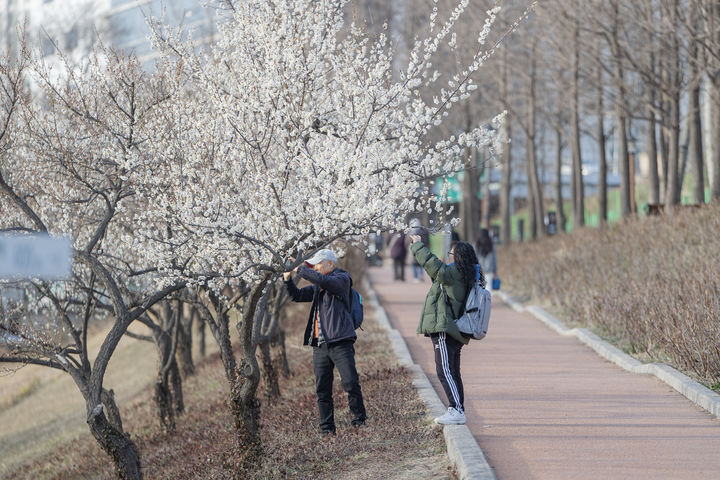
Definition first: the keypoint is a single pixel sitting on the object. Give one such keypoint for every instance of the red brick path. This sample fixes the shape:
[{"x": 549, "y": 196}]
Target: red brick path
[{"x": 543, "y": 406}]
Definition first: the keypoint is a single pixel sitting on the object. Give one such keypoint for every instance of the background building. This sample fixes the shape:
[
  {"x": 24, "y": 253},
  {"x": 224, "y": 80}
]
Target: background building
[{"x": 73, "y": 27}]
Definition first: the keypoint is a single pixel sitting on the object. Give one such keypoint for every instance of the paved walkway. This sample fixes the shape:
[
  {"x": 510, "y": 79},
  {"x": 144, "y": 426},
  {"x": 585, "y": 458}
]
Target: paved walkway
[{"x": 544, "y": 406}]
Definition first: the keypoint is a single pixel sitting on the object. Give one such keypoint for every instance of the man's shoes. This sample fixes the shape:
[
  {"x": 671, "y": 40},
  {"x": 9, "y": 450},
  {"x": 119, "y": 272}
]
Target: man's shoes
[
  {"x": 358, "y": 423},
  {"x": 451, "y": 417},
  {"x": 327, "y": 433}
]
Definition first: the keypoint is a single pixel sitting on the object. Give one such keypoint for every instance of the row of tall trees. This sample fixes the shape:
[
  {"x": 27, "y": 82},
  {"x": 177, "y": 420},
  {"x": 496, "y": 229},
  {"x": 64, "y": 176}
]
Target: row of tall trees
[
  {"x": 589, "y": 74},
  {"x": 592, "y": 84}
]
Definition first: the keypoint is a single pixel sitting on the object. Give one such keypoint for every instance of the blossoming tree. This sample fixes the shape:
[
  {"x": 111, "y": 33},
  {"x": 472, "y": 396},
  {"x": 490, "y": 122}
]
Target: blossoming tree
[
  {"x": 61, "y": 174},
  {"x": 293, "y": 133}
]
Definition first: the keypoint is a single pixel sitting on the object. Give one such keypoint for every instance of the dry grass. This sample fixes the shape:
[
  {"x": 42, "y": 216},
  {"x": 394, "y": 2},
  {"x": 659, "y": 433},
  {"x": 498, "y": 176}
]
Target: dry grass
[
  {"x": 54, "y": 412},
  {"x": 398, "y": 442},
  {"x": 652, "y": 286}
]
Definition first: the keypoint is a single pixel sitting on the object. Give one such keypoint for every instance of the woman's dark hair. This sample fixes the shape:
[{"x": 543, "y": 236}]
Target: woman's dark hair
[
  {"x": 465, "y": 261},
  {"x": 484, "y": 243}
]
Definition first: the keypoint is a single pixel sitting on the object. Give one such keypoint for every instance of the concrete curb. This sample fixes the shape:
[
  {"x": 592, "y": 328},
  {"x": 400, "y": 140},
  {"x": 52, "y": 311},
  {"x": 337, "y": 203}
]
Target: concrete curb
[
  {"x": 464, "y": 452},
  {"x": 694, "y": 391}
]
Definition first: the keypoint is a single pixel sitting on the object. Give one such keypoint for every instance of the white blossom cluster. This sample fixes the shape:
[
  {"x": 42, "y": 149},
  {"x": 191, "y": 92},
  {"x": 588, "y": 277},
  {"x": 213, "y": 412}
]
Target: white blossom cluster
[
  {"x": 67, "y": 160},
  {"x": 289, "y": 134}
]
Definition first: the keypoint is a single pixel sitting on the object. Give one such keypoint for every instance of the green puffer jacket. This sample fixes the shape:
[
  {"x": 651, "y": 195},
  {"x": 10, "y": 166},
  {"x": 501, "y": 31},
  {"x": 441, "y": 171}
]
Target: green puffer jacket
[{"x": 436, "y": 315}]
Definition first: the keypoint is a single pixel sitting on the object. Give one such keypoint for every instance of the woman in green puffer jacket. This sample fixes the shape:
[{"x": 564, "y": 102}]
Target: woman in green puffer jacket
[{"x": 444, "y": 303}]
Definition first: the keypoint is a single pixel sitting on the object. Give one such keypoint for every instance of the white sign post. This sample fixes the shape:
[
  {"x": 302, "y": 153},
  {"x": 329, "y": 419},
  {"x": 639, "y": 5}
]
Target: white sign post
[{"x": 35, "y": 256}]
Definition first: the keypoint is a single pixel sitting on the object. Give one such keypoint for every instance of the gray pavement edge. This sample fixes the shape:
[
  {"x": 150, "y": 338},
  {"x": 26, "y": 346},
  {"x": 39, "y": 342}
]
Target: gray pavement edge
[
  {"x": 464, "y": 452},
  {"x": 694, "y": 391}
]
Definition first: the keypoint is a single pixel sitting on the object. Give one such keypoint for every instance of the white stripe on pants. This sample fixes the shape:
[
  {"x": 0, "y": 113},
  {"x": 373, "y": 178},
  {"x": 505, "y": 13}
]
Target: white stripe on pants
[{"x": 445, "y": 363}]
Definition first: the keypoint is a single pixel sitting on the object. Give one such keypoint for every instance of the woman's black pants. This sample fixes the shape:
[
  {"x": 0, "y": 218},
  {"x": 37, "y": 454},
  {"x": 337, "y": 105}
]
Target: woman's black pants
[{"x": 447, "y": 365}]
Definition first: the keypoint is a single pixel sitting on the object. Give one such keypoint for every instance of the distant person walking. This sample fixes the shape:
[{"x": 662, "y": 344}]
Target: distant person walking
[
  {"x": 486, "y": 256},
  {"x": 417, "y": 229},
  {"x": 396, "y": 246},
  {"x": 443, "y": 304},
  {"x": 331, "y": 333}
]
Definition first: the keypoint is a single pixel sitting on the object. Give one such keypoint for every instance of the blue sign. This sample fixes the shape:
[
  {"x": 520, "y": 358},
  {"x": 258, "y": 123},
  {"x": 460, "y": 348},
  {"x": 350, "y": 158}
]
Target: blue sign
[{"x": 24, "y": 257}]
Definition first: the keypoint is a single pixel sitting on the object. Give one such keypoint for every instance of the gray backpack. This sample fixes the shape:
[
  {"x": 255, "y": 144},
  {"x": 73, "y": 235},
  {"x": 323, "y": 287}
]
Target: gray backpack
[{"x": 474, "y": 322}]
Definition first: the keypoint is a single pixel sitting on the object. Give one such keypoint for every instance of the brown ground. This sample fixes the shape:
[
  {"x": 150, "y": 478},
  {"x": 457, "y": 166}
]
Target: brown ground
[
  {"x": 44, "y": 427},
  {"x": 41, "y": 407}
]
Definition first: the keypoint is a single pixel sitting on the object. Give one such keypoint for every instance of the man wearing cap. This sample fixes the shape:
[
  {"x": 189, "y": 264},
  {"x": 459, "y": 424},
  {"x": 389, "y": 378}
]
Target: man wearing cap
[{"x": 330, "y": 332}]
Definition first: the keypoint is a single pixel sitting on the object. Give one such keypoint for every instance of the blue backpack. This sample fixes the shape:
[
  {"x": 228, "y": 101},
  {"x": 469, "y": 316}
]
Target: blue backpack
[{"x": 355, "y": 308}]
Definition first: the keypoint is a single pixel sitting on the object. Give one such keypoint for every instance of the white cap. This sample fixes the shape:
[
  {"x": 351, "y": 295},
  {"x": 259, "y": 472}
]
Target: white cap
[{"x": 320, "y": 255}]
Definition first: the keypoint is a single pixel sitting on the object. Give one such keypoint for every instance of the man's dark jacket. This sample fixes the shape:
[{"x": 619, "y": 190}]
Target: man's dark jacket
[{"x": 325, "y": 293}]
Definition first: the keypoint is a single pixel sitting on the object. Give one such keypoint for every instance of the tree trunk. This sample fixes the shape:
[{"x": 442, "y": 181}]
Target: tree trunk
[
  {"x": 177, "y": 390},
  {"x": 696, "y": 144},
  {"x": 532, "y": 219},
  {"x": 672, "y": 193},
  {"x": 269, "y": 373},
  {"x": 654, "y": 194},
  {"x": 201, "y": 336},
  {"x": 624, "y": 159},
  {"x": 537, "y": 194},
  {"x": 602, "y": 152},
  {"x": 109, "y": 435},
  {"x": 505, "y": 189},
  {"x": 626, "y": 189},
  {"x": 623, "y": 154},
  {"x": 674, "y": 86},
  {"x": 538, "y": 211},
  {"x": 684, "y": 148},
  {"x": 279, "y": 340},
  {"x": 220, "y": 329},
  {"x": 578, "y": 187},
  {"x": 184, "y": 349},
  {"x": 486, "y": 203},
  {"x": 168, "y": 400},
  {"x": 664, "y": 150},
  {"x": 115, "y": 443},
  {"x": 163, "y": 404},
  {"x": 558, "y": 181},
  {"x": 268, "y": 326},
  {"x": 243, "y": 396},
  {"x": 107, "y": 430},
  {"x": 162, "y": 395},
  {"x": 113, "y": 412}
]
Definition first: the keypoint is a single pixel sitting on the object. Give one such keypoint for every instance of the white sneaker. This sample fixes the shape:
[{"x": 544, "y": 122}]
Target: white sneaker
[{"x": 451, "y": 417}]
